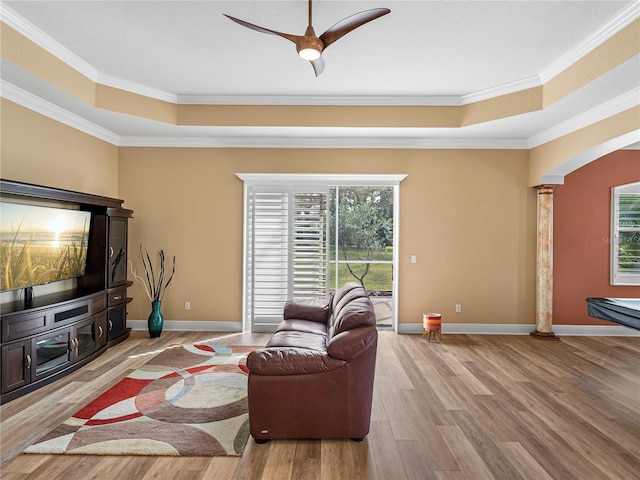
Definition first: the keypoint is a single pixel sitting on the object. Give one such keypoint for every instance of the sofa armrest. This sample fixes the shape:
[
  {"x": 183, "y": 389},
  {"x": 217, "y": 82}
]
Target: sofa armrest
[
  {"x": 351, "y": 343},
  {"x": 290, "y": 361},
  {"x": 313, "y": 312}
]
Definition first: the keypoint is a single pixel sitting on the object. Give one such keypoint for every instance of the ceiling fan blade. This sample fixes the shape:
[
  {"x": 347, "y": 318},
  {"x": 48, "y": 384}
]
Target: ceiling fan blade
[
  {"x": 318, "y": 65},
  {"x": 294, "y": 38},
  {"x": 348, "y": 24}
]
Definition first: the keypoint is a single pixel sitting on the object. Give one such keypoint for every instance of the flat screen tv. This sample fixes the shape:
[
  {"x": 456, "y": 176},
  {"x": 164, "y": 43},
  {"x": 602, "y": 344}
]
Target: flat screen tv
[{"x": 40, "y": 245}]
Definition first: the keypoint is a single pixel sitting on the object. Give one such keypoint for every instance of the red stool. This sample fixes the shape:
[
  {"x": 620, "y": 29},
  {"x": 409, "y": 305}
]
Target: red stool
[{"x": 432, "y": 323}]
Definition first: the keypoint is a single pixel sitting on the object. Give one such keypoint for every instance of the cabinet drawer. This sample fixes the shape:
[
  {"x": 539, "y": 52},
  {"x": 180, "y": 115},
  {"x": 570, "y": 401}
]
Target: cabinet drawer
[
  {"x": 117, "y": 296},
  {"x": 18, "y": 326}
]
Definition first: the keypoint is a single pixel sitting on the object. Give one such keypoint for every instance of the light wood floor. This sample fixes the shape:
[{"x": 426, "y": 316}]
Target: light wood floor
[{"x": 472, "y": 407}]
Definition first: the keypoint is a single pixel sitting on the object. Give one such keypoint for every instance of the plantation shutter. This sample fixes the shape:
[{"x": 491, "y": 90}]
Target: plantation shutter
[
  {"x": 309, "y": 246},
  {"x": 287, "y": 250},
  {"x": 626, "y": 235},
  {"x": 268, "y": 270}
]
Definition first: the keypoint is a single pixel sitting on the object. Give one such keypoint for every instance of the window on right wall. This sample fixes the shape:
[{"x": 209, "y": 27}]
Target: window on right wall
[{"x": 625, "y": 234}]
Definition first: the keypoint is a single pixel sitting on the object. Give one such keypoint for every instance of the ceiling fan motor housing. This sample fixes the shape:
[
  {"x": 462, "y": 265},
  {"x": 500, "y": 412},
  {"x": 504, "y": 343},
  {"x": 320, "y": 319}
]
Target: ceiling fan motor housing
[{"x": 310, "y": 41}]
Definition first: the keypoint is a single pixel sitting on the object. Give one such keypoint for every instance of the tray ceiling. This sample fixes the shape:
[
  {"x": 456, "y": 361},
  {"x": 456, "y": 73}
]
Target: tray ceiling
[{"x": 423, "y": 53}]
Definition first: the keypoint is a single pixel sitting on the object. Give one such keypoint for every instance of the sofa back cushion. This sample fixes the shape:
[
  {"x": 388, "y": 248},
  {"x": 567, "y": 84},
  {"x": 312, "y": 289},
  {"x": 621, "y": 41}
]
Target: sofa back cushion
[
  {"x": 345, "y": 294},
  {"x": 310, "y": 311},
  {"x": 350, "y": 308}
]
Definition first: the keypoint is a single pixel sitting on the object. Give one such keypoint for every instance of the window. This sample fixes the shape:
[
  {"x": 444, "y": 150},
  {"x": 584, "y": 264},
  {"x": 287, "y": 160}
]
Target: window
[{"x": 625, "y": 234}]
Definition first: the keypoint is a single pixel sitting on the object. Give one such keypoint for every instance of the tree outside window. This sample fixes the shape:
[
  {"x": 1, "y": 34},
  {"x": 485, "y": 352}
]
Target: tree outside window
[{"x": 365, "y": 236}]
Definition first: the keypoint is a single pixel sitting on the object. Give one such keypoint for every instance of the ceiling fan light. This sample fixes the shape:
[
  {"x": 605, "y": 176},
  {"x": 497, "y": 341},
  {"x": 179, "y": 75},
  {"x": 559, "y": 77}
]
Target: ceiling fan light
[{"x": 309, "y": 53}]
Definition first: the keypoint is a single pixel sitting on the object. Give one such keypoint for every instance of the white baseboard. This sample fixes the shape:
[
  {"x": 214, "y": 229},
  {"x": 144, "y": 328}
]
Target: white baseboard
[
  {"x": 189, "y": 326},
  {"x": 525, "y": 329},
  {"x": 595, "y": 331},
  {"x": 447, "y": 328},
  {"x": 471, "y": 328}
]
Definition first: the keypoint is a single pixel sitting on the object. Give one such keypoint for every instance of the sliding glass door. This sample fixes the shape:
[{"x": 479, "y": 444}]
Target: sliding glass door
[{"x": 305, "y": 237}]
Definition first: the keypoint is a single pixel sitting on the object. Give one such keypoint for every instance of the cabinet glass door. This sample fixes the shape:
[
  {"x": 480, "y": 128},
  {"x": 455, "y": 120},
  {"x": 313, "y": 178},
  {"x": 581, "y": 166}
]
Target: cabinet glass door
[
  {"x": 51, "y": 352},
  {"x": 117, "y": 272},
  {"x": 90, "y": 336},
  {"x": 87, "y": 339},
  {"x": 117, "y": 322}
]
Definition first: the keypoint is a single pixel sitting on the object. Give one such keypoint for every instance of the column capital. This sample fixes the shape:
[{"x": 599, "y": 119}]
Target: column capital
[{"x": 542, "y": 189}]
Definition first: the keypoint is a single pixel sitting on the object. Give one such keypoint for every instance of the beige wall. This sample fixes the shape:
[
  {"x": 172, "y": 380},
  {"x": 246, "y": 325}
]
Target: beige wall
[
  {"x": 469, "y": 216},
  {"x": 36, "y": 149}
]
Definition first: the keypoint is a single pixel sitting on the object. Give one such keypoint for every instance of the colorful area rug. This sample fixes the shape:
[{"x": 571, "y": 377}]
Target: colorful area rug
[{"x": 188, "y": 400}]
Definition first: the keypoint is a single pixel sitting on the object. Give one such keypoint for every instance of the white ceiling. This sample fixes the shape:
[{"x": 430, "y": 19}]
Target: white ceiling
[{"x": 422, "y": 53}]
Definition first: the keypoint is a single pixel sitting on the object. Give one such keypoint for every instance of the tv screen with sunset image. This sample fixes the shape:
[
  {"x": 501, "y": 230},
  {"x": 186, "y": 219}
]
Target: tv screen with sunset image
[{"x": 39, "y": 245}]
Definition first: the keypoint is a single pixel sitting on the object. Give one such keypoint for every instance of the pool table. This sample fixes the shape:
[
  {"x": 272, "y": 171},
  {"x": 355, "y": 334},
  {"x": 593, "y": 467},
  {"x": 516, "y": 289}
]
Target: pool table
[{"x": 625, "y": 311}]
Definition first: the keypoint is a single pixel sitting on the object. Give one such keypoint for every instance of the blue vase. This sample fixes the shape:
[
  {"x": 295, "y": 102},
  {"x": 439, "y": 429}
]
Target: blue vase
[{"x": 156, "y": 320}]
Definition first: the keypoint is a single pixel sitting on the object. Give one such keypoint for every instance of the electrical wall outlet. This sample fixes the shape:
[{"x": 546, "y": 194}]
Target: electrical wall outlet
[
  {"x": 414, "y": 259},
  {"x": 458, "y": 308},
  {"x": 187, "y": 305}
]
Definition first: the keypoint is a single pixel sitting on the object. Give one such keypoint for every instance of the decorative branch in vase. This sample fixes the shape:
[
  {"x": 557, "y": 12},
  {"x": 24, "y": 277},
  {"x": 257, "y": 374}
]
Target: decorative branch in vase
[{"x": 155, "y": 287}]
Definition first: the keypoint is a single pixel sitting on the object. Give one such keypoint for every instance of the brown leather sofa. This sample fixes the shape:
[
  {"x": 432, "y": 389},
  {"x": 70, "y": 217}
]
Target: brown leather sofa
[{"x": 314, "y": 379}]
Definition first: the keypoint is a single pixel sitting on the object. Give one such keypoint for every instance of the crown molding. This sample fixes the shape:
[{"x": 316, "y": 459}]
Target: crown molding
[
  {"x": 505, "y": 89},
  {"x": 32, "y": 102},
  {"x": 594, "y": 115},
  {"x": 315, "y": 140},
  {"x": 137, "y": 88},
  {"x": 624, "y": 18},
  {"x": 617, "y": 23},
  {"x": 62, "y": 53},
  {"x": 44, "y": 41},
  {"x": 364, "y": 100}
]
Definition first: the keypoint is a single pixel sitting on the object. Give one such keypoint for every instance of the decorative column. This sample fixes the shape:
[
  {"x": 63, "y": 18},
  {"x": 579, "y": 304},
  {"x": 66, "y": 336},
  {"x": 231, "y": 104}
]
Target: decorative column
[{"x": 544, "y": 265}]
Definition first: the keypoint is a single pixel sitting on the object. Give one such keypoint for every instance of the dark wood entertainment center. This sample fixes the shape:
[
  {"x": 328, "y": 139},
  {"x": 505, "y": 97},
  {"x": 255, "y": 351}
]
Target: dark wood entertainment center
[{"x": 48, "y": 336}]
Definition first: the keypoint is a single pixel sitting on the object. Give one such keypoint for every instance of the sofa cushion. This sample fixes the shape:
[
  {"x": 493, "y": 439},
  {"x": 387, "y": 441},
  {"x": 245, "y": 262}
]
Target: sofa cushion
[
  {"x": 303, "y": 326},
  {"x": 292, "y": 338},
  {"x": 314, "y": 312}
]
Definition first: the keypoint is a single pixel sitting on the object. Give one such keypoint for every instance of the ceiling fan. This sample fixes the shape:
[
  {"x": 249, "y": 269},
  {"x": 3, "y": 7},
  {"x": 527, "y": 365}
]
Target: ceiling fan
[{"x": 309, "y": 46}]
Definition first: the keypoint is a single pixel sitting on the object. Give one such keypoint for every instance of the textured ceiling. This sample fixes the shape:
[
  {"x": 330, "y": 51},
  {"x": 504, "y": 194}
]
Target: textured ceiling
[{"x": 420, "y": 48}]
